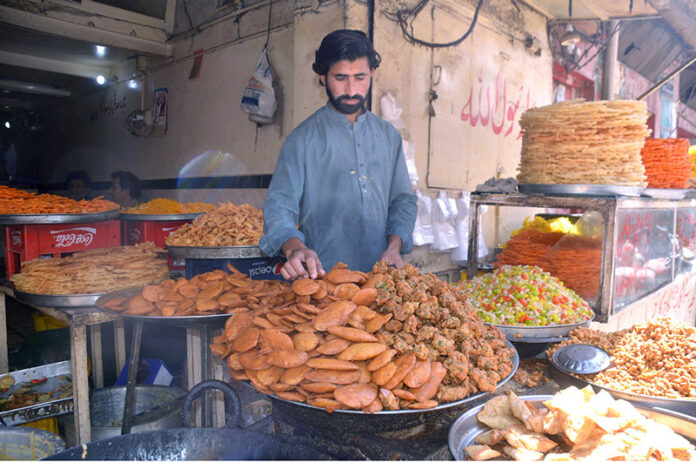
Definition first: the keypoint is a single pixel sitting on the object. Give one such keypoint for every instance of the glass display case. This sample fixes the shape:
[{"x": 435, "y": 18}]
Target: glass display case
[{"x": 621, "y": 248}]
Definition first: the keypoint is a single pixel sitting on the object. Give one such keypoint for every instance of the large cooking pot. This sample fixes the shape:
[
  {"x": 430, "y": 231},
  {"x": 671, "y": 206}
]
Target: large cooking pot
[
  {"x": 106, "y": 411},
  {"x": 194, "y": 443},
  {"x": 26, "y": 443}
]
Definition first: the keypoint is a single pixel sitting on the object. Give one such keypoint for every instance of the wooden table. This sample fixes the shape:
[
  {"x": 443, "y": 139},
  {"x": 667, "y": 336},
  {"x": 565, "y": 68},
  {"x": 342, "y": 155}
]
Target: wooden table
[{"x": 77, "y": 319}]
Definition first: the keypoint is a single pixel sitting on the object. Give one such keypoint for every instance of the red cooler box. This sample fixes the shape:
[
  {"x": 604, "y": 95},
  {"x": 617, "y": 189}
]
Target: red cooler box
[{"x": 56, "y": 235}]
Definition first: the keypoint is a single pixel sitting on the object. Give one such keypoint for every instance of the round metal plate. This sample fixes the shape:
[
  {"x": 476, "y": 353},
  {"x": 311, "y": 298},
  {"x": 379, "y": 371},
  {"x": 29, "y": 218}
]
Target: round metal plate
[
  {"x": 180, "y": 320},
  {"x": 581, "y": 189},
  {"x": 539, "y": 333},
  {"x": 171, "y": 217},
  {"x": 515, "y": 365},
  {"x": 685, "y": 406},
  {"x": 57, "y": 218},
  {"x": 466, "y": 428},
  {"x": 244, "y": 251},
  {"x": 57, "y": 301},
  {"x": 581, "y": 358},
  {"x": 660, "y": 193}
]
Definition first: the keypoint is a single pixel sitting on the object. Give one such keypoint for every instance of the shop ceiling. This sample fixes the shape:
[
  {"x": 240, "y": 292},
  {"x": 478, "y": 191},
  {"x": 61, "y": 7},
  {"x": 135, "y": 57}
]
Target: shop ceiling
[{"x": 48, "y": 48}]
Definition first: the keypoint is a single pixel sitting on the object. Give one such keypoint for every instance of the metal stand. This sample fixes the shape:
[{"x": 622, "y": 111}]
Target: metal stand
[{"x": 129, "y": 405}]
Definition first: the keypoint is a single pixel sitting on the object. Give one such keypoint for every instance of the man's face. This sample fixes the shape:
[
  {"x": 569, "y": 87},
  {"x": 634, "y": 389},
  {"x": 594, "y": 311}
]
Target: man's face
[
  {"x": 77, "y": 188},
  {"x": 119, "y": 195},
  {"x": 347, "y": 84}
]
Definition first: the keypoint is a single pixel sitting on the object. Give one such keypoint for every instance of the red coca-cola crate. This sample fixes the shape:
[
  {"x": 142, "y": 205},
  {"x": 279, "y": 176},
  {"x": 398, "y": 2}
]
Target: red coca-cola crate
[
  {"x": 154, "y": 228},
  {"x": 28, "y": 241}
]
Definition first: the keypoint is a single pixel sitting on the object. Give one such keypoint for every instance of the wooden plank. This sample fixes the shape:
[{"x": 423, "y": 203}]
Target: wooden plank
[
  {"x": 97, "y": 358},
  {"x": 193, "y": 367},
  {"x": 4, "y": 363},
  {"x": 119, "y": 345},
  {"x": 80, "y": 385}
]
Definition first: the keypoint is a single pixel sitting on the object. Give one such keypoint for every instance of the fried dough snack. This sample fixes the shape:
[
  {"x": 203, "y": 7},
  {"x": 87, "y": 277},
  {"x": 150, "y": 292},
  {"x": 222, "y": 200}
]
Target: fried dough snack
[
  {"x": 204, "y": 294},
  {"x": 337, "y": 342},
  {"x": 162, "y": 206},
  {"x": 653, "y": 358},
  {"x": 666, "y": 162},
  {"x": 18, "y": 202},
  {"x": 229, "y": 225},
  {"x": 93, "y": 271},
  {"x": 578, "y": 142}
]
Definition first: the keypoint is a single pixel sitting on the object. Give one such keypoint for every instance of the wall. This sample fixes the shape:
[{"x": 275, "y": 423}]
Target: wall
[{"x": 491, "y": 72}]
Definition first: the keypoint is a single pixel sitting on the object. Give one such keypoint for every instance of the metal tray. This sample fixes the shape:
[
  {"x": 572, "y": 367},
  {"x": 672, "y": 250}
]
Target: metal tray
[
  {"x": 58, "y": 218},
  {"x": 515, "y": 365},
  {"x": 683, "y": 406},
  {"x": 581, "y": 189},
  {"x": 57, "y": 301},
  {"x": 242, "y": 251},
  {"x": 466, "y": 428},
  {"x": 171, "y": 320},
  {"x": 660, "y": 193},
  {"x": 50, "y": 408},
  {"x": 171, "y": 217},
  {"x": 537, "y": 334}
]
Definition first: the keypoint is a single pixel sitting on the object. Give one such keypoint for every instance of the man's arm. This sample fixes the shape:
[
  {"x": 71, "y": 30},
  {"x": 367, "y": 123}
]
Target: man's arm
[
  {"x": 392, "y": 256},
  {"x": 402, "y": 207},
  {"x": 298, "y": 257}
]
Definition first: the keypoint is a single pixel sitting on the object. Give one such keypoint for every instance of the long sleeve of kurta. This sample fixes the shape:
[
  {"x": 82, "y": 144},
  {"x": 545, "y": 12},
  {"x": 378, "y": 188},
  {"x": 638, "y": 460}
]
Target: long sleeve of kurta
[{"x": 342, "y": 189}]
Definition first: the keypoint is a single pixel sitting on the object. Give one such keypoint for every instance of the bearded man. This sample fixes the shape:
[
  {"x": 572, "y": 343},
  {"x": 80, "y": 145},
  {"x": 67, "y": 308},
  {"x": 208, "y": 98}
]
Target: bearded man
[{"x": 340, "y": 190}]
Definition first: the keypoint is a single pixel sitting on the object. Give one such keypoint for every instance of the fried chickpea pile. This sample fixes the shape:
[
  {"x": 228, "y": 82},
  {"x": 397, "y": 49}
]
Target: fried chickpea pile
[{"x": 338, "y": 343}]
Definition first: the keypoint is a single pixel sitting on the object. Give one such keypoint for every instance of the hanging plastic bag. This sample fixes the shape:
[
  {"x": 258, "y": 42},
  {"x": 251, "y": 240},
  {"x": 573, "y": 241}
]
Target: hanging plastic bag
[
  {"x": 423, "y": 230},
  {"x": 461, "y": 226},
  {"x": 444, "y": 213},
  {"x": 391, "y": 110},
  {"x": 258, "y": 98},
  {"x": 482, "y": 249},
  {"x": 410, "y": 157}
]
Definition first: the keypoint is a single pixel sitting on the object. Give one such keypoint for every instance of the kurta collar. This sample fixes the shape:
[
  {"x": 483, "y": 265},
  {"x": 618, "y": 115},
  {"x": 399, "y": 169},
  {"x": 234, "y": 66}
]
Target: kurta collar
[{"x": 340, "y": 118}]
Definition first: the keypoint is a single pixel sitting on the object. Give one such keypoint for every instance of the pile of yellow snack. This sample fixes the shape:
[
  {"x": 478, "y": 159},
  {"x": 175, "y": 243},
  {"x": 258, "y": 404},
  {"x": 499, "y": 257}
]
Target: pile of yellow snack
[{"x": 162, "y": 206}]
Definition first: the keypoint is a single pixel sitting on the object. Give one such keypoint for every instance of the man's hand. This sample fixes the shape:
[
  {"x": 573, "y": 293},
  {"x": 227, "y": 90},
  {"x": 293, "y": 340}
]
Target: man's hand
[
  {"x": 392, "y": 256},
  {"x": 301, "y": 261}
]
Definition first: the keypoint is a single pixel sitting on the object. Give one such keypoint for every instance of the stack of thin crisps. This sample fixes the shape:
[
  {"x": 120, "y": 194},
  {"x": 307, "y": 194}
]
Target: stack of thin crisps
[
  {"x": 666, "y": 162},
  {"x": 19, "y": 202},
  {"x": 94, "y": 271},
  {"x": 229, "y": 225},
  {"x": 577, "y": 142},
  {"x": 162, "y": 206}
]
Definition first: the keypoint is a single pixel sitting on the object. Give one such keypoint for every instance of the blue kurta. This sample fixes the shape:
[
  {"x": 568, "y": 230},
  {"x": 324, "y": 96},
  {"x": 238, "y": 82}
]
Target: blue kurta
[{"x": 341, "y": 188}]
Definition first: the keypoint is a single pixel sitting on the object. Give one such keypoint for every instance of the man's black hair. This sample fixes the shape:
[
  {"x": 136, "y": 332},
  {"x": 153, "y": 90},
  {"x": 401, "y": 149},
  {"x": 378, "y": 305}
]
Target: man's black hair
[
  {"x": 128, "y": 181},
  {"x": 344, "y": 44},
  {"x": 78, "y": 175}
]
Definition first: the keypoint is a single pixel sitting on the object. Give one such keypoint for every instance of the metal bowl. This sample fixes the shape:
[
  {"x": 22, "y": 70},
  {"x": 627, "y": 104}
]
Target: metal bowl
[
  {"x": 24, "y": 443},
  {"x": 535, "y": 334},
  {"x": 466, "y": 428},
  {"x": 581, "y": 358}
]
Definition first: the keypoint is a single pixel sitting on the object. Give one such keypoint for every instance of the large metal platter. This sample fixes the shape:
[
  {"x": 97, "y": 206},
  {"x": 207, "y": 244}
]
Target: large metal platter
[
  {"x": 466, "y": 428},
  {"x": 57, "y": 301},
  {"x": 57, "y": 377},
  {"x": 684, "y": 406},
  {"x": 581, "y": 189},
  {"x": 660, "y": 193},
  {"x": 58, "y": 218},
  {"x": 171, "y": 217},
  {"x": 536, "y": 334},
  {"x": 242, "y": 251},
  {"x": 515, "y": 365},
  {"x": 172, "y": 320}
]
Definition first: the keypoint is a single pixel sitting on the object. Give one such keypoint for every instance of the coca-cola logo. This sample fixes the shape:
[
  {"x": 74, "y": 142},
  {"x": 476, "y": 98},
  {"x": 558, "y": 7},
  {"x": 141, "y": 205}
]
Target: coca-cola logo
[
  {"x": 16, "y": 238},
  {"x": 134, "y": 236},
  {"x": 74, "y": 236},
  {"x": 170, "y": 230}
]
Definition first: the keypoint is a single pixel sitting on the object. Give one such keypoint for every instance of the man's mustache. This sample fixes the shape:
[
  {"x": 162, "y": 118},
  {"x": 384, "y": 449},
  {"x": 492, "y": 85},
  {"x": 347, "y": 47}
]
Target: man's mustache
[{"x": 347, "y": 97}]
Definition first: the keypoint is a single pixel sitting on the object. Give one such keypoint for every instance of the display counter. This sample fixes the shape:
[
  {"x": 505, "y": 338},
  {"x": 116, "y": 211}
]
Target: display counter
[{"x": 645, "y": 243}]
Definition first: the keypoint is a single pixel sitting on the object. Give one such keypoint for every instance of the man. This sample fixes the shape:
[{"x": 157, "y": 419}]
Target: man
[
  {"x": 125, "y": 189},
  {"x": 79, "y": 185},
  {"x": 340, "y": 190}
]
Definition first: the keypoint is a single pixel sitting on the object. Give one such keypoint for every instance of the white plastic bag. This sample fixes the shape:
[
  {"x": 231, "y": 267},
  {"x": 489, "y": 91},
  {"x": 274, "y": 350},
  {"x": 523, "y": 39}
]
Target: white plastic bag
[
  {"x": 258, "y": 98},
  {"x": 423, "y": 230},
  {"x": 391, "y": 110},
  {"x": 482, "y": 249},
  {"x": 444, "y": 213},
  {"x": 461, "y": 226},
  {"x": 410, "y": 157}
]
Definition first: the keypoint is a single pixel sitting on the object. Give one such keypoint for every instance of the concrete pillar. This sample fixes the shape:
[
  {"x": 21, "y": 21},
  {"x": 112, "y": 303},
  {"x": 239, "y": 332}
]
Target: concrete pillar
[{"x": 611, "y": 54}]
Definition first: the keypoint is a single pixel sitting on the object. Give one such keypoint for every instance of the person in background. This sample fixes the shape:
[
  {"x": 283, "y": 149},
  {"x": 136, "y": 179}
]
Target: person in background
[
  {"x": 125, "y": 189},
  {"x": 340, "y": 190},
  {"x": 78, "y": 185}
]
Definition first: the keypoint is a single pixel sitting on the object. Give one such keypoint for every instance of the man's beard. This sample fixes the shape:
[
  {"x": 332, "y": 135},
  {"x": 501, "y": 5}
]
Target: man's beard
[{"x": 344, "y": 107}]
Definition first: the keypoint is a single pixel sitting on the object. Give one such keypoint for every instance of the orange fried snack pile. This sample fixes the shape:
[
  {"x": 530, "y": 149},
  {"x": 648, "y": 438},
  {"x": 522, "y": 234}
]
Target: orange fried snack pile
[
  {"x": 575, "y": 260},
  {"x": 162, "y": 206},
  {"x": 666, "y": 162},
  {"x": 18, "y": 202},
  {"x": 94, "y": 271},
  {"x": 386, "y": 340},
  {"x": 228, "y": 225}
]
